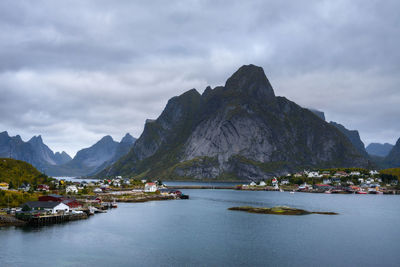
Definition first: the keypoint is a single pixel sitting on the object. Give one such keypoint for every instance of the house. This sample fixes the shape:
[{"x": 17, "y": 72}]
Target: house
[
  {"x": 336, "y": 180},
  {"x": 355, "y": 174},
  {"x": 4, "y": 186},
  {"x": 24, "y": 187},
  {"x": 326, "y": 181},
  {"x": 43, "y": 187},
  {"x": 52, "y": 197},
  {"x": 299, "y": 174},
  {"x": 314, "y": 175},
  {"x": 262, "y": 183},
  {"x": 71, "y": 189},
  {"x": 274, "y": 181},
  {"x": 72, "y": 203},
  {"x": 305, "y": 186},
  {"x": 374, "y": 172},
  {"x": 341, "y": 174},
  {"x": 360, "y": 180},
  {"x": 97, "y": 190},
  {"x": 150, "y": 187},
  {"x": 143, "y": 181},
  {"x": 253, "y": 184},
  {"x": 284, "y": 181},
  {"x": 53, "y": 207}
]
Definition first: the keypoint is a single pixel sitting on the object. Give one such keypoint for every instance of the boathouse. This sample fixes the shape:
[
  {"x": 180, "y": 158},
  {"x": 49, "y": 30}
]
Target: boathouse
[{"x": 53, "y": 207}]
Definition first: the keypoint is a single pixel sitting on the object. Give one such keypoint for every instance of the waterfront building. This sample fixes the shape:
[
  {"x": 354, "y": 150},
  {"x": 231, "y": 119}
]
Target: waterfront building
[
  {"x": 150, "y": 187},
  {"x": 53, "y": 207}
]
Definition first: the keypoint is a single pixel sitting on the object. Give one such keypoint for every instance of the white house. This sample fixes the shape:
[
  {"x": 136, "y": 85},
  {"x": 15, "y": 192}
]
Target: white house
[
  {"x": 284, "y": 181},
  {"x": 355, "y": 173},
  {"x": 97, "y": 190},
  {"x": 52, "y": 206},
  {"x": 71, "y": 189},
  {"x": 314, "y": 175},
  {"x": 262, "y": 183},
  {"x": 150, "y": 187},
  {"x": 374, "y": 172},
  {"x": 253, "y": 184},
  {"x": 326, "y": 181}
]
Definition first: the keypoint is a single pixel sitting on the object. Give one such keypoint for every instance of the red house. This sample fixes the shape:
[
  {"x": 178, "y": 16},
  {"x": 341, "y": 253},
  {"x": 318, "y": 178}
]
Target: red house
[
  {"x": 72, "y": 203},
  {"x": 43, "y": 187},
  {"x": 52, "y": 197}
]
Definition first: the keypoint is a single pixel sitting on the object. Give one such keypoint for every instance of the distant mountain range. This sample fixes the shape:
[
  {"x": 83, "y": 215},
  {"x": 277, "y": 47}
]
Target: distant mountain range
[
  {"x": 380, "y": 150},
  {"x": 237, "y": 131},
  {"x": 87, "y": 161},
  {"x": 34, "y": 151}
]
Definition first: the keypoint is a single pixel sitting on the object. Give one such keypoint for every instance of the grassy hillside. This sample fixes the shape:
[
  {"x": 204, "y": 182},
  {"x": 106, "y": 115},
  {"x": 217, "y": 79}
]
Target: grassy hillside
[
  {"x": 17, "y": 172},
  {"x": 392, "y": 171}
]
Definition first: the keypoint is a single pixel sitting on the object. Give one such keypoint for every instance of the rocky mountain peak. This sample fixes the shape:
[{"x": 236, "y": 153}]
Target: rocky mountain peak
[
  {"x": 36, "y": 139},
  {"x": 128, "y": 139},
  {"x": 252, "y": 80}
]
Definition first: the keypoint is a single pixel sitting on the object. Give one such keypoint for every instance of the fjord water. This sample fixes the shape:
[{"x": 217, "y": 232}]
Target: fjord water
[{"x": 202, "y": 232}]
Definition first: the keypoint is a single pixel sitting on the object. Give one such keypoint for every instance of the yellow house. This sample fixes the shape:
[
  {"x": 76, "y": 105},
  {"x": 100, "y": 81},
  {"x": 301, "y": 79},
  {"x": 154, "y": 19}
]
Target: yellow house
[{"x": 3, "y": 186}]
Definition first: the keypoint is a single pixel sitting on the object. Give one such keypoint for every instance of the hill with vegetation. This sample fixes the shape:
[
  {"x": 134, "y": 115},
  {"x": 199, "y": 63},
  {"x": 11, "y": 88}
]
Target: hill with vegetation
[
  {"x": 392, "y": 171},
  {"x": 17, "y": 172},
  {"x": 237, "y": 131}
]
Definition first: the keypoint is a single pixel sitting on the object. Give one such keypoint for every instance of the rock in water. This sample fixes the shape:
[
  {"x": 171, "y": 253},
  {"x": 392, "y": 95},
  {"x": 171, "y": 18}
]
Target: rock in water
[{"x": 279, "y": 210}]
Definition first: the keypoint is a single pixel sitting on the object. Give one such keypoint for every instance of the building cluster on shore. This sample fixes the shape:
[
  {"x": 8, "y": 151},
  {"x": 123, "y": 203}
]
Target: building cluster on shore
[
  {"x": 330, "y": 181},
  {"x": 65, "y": 200}
]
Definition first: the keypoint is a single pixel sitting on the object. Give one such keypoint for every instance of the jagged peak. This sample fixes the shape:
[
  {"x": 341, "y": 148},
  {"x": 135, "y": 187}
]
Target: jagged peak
[
  {"x": 251, "y": 79},
  {"x": 36, "y": 139},
  {"x": 127, "y": 138}
]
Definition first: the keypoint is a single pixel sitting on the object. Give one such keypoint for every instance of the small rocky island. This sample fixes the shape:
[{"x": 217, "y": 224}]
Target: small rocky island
[{"x": 279, "y": 210}]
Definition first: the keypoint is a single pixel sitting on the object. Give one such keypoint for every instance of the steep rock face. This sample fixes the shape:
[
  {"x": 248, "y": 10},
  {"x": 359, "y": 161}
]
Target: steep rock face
[
  {"x": 62, "y": 158},
  {"x": 95, "y": 158},
  {"x": 318, "y": 113},
  {"x": 380, "y": 150},
  {"x": 238, "y": 131},
  {"x": 353, "y": 136},
  {"x": 34, "y": 151},
  {"x": 393, "y": 159}
]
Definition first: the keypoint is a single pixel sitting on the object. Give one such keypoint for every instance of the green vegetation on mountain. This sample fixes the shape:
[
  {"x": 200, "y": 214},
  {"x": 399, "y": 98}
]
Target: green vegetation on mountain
[
  {"x": 17, "y": 172},
  {"x": 240, "y": 130},
  {"x": 392, "y": 171}
]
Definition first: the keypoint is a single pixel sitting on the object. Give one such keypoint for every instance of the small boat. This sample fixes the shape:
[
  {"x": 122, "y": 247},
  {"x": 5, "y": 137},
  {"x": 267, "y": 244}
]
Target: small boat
[
  {"x": 114, "y": 205},
  {"x": 362, "y": 192},
  {"x": 328, "y": 192},
  {"x": 291, "y": 192},
  {"x": 281, "y": 190},
  {"x": 183, "y": 196}
]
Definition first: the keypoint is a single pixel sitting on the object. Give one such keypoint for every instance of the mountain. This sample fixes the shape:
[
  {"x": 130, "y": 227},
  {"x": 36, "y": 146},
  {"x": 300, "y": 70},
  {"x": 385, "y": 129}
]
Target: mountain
[
  {"x": 353, "y": 136},
  {"x": 95, "y": 158},
  {"x": 18, "y": 172},
  {"x": 34, "y": 151},
  {"x": 392, "y": 160},
  {"x": 237, "y": 131},
  {"x": 318, "y": 113},
  {"x": 61, "y": 158},
  {"x": 381, "y": 150}
]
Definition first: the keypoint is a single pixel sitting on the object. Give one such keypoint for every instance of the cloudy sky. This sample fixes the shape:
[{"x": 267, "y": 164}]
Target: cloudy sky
[{"x": 74, "y": 71}]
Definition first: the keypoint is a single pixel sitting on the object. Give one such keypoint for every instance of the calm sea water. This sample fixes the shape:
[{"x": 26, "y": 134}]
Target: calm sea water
[{"x": 202, "y": 232}]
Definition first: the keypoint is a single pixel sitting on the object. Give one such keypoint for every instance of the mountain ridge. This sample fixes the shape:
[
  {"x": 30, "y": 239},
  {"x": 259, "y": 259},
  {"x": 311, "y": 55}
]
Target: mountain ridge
[{"x": 237, "y": 131}]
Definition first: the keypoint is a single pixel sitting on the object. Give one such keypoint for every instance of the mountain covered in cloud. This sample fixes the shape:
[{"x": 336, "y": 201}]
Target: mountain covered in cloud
[
  {"x": 93, "y": 159},
  {"x": 237, "y": 131},
  {"x": 34, "y": 151},
  {"x": 380, "y": 150}
]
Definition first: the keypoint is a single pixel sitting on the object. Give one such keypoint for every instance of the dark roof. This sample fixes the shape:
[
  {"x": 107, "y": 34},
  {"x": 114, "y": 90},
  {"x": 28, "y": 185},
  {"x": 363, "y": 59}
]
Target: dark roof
[
  {"x": 41, "y": 204},
  {"x": 55, "y": 195}
]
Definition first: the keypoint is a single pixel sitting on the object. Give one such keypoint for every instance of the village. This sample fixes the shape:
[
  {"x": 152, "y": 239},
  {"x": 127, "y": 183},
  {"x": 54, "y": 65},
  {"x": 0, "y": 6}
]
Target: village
[
  {"x": 62, "y": 200},
  {"x": 330, "y": 181}
]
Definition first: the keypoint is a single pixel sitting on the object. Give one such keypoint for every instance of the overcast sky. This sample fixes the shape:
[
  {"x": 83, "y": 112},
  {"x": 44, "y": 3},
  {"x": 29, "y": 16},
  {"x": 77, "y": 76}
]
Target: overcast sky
[{"x": 74, "y": 71}]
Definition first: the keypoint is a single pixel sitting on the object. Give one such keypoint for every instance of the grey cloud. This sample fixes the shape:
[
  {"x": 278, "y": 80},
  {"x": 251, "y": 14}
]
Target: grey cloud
[{"x": 76, "y": 70}]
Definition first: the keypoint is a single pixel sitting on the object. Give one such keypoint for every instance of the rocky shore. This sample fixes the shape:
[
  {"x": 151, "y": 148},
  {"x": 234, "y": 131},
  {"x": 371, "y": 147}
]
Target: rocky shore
[{"x": 9, "y": 220}]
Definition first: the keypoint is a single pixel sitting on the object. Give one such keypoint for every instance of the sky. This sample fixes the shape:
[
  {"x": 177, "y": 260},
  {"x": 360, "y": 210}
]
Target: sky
[{"x": 74, "y": 71}]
